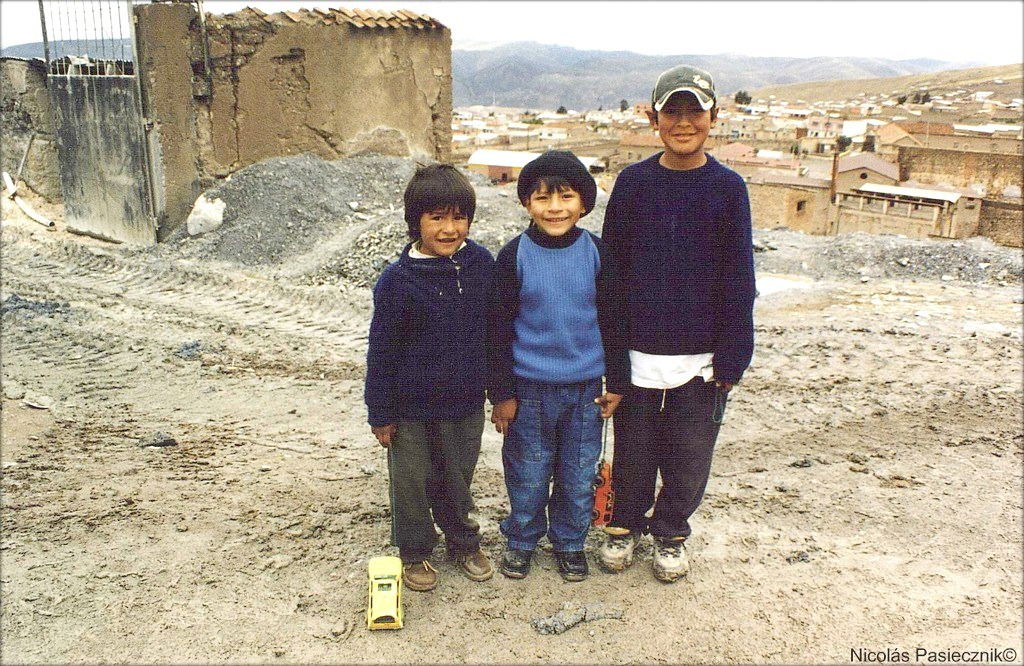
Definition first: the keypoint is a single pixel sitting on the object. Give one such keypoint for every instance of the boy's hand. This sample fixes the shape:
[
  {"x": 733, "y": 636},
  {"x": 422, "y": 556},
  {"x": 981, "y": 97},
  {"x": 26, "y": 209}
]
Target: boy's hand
[
  {"x": 608, "y": 403},
  {"x": 725, "y": 386},
  {"x": 384, "y": 433},
  {"x": 503, "y": 414}
]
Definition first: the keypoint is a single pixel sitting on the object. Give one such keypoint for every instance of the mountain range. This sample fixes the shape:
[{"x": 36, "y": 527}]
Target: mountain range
[{"x": 544, "y": 76}]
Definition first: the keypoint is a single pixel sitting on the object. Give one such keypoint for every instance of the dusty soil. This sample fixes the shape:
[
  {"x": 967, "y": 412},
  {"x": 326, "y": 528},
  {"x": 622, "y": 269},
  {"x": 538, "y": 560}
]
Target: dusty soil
[{"x": 866, "y": 491}]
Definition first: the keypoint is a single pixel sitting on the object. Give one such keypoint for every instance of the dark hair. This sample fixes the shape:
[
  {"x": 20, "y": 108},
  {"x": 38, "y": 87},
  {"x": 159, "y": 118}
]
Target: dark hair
[
  {"x": 558, "y": 169},
  {"x": 551, "y": 184},
  {"x": 437, "y": 186}
]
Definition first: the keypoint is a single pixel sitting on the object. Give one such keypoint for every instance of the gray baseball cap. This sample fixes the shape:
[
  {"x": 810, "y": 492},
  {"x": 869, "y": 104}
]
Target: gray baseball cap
[{"x": 684, "y": 78}]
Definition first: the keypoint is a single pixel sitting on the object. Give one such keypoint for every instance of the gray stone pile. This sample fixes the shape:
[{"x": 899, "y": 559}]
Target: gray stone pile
[
  {"x": 865, "y": 256},
  {"x": 341, "y": 222}
]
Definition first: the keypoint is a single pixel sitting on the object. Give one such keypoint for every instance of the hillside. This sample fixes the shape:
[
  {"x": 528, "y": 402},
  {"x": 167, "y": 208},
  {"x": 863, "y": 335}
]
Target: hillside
[
  {"x": 528, "y": 74},
  {"x": 972, "y": 79}
]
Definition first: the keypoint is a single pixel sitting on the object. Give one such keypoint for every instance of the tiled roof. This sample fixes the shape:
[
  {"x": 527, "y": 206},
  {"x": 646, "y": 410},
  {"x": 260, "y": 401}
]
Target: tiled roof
[
  {"x": 734, "y": 150},
  {"x": 926, "y": 128},
  {"x": 869, "y": 161},
  {"x": 360, "y": 18}
]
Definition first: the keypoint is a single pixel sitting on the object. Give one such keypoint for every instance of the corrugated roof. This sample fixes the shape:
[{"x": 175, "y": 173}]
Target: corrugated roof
[
  {"x": 917, "y": 193},
  {"x": 869, "y": 161},
  {"x": 359, "y": 18}
]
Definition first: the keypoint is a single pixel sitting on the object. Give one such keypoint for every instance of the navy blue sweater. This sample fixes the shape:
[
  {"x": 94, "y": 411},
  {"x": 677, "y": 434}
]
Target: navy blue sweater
[
  {"x": 427, "y": 356},
  {"x": 608, "y": 300},
  {"x": 683, "y": 240}
]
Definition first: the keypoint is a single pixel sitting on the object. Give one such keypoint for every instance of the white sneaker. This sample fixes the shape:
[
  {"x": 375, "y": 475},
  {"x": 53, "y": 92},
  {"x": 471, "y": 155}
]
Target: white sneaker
[
  {"x": 670, "y": 560},
  {"x": 616, "y": 553}
]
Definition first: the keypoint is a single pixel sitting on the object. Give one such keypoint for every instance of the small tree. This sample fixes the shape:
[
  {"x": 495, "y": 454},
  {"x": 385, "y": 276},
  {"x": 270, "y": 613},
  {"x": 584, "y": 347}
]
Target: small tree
[
  {"x": 842, "y": 143},
  {"x": 925, "y": 97},
  {"x": 742, "y": 97},
  {"x": 623, "y": 105},
  {"x": 902, "y": 99},
  {"x": 562, "y": 109}
]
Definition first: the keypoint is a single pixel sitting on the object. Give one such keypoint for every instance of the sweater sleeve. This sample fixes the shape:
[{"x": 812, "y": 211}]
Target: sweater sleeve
[
  {"x": 503, "y": 312},
  {"x": 383, "y": 361},
  {"x": 613, "y": 232},
  {"x": 734, "y": 335},
  {"x": 611, "y": 306}
]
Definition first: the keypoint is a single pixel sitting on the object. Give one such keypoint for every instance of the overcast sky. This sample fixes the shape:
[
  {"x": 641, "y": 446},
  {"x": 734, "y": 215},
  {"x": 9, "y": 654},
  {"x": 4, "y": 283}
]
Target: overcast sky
[{"x": 985, "y": 32}]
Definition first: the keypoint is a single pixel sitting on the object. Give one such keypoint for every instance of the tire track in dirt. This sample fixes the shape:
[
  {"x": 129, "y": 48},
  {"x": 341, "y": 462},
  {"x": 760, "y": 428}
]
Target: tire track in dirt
[{"x": 317, "y": 316}]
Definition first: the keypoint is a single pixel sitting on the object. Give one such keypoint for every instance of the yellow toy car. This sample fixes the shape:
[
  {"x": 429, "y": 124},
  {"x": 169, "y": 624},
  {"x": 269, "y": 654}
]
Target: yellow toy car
[{"x": 384, "y": 605}]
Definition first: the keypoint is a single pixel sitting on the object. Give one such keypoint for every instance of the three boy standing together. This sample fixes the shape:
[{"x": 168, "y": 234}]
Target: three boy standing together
[{"x": 660, "y": 306}]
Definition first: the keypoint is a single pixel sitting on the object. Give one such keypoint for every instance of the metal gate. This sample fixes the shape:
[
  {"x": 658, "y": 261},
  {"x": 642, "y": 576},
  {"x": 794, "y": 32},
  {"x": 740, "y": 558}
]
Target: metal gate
[{"x": 105, "y": 171}]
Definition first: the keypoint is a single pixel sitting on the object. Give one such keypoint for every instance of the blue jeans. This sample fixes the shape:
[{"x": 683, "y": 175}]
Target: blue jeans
[{"x": 556, "y": 435}]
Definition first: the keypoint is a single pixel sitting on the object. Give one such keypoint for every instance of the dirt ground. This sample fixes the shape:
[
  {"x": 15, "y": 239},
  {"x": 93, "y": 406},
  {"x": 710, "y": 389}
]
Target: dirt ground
[{"x": 866, "y": 491}]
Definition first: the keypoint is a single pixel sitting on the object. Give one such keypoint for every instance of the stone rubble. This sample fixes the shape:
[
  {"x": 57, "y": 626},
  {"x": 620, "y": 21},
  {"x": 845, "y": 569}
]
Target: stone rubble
[{"x": 341, "y": 223}]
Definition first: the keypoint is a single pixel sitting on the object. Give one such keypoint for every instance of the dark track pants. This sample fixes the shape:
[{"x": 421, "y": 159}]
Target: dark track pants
[
  {"x": 672, "y": 432},
  {"x": 431, "y": 465}
]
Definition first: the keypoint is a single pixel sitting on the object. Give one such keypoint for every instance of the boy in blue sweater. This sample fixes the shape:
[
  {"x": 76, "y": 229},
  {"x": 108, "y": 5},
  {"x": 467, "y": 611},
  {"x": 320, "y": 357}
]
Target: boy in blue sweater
[
  {"x": 679, "y": 225},
  {"x": 557, "y": 331},
  {"x": 426, "y": 375}
]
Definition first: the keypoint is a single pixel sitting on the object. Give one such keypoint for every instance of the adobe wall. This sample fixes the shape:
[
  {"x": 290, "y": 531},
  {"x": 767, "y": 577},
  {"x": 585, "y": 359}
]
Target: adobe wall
[
  {"x": 167, "y": 86},
  {"x": 958, "y": 168},
  {"x": 984, "y": 144},
  {"x": 776, "y": 205},
  {"x": 282, "y": 87},
  {"x": 1003, "y": 222},
  {"x": 278, "y": 86},
  {"x": 24, "y": 109}
]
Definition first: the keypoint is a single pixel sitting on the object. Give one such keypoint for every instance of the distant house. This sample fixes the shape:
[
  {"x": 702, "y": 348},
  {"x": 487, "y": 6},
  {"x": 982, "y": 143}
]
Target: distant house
[
  {"x": 913, "y": 212},
  {"x": 889, "y": 137},
  {"x": 855, "y": 170},
  {"x": 503, "y": 166},
  {"x": 734, "y": 151},
  {"x": 636, "y": 146}
]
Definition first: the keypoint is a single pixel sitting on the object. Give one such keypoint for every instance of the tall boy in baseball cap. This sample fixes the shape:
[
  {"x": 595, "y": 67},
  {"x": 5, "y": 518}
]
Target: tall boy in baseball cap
[
  {"x": 558, "y": 329},
  {"x": 678, "y": 224}
]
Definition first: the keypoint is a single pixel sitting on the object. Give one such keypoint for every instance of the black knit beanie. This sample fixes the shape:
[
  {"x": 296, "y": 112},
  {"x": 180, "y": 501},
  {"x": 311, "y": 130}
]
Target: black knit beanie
[{"x": 559, "y": 163}]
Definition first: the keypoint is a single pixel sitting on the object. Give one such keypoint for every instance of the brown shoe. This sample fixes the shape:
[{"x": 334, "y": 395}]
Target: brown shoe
[
  {"x": 419, "y": 576},
  {"x": 475, "y": 565}
]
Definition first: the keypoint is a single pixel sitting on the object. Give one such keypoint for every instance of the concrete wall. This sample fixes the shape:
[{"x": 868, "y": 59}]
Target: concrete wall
[
  {"x": 778, "y": 205},
  {"x": 1003, "y": 222},
  {"x": 960, "y": 169},
  {"x": 24, "y": 109},
  {"x": 167, "y": 91},
  {"x": 333, "y": 90}
]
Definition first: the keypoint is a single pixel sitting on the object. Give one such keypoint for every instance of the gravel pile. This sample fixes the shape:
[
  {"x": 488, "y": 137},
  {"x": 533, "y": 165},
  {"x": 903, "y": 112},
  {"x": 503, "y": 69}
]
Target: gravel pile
[
  {"x": 281, "y": 207},
  {"x": 865, "y": 256},
  {"x": 341, "y": 222}
]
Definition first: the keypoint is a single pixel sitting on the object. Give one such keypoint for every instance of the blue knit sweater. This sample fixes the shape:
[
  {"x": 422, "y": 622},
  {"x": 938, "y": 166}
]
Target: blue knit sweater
[
  {"x": 427, "y": 356},
  {"x": 683, "y": 242},
  {"x": 557, "y": 313}
]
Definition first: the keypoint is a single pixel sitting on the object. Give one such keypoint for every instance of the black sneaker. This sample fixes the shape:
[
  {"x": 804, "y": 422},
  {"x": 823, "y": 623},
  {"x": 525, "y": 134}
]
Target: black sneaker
[
  {"x": 572, "y": 565},
  {"x": 516, "y": 563}
]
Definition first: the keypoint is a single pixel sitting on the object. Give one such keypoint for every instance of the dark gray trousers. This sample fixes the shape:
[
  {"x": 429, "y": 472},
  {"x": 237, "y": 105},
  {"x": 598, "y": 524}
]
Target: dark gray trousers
[
  {"x": 672, "y": 432},
  {"x": 431, "y": 465}
]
